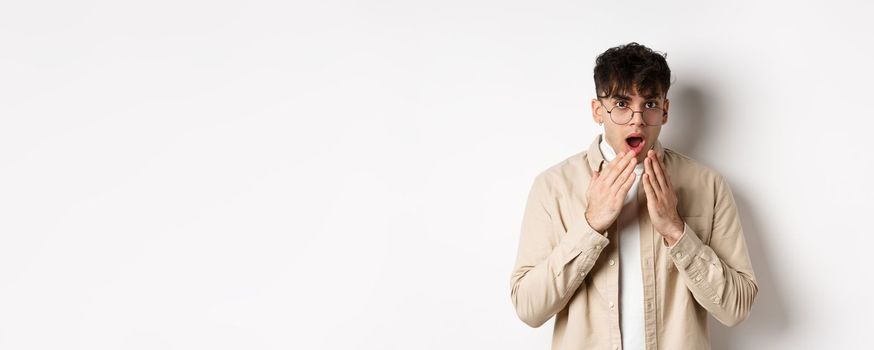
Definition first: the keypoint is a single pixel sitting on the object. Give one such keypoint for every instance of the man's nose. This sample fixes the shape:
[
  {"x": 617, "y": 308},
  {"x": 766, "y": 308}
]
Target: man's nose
[{"x": 636, "y": 118}]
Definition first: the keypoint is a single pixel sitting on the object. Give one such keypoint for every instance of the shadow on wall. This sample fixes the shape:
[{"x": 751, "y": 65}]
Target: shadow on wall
[
  {"x": 768, "y": 317},
  {"x": 687, "y": 120}
]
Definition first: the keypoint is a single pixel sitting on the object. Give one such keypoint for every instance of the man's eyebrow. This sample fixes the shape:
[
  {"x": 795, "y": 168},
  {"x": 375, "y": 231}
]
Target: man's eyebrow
[{"x": 621, "y": 97}]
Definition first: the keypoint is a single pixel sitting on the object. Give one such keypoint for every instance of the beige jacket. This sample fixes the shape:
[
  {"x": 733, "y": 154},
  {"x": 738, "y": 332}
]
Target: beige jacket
[{"x": 562, "y": 267}]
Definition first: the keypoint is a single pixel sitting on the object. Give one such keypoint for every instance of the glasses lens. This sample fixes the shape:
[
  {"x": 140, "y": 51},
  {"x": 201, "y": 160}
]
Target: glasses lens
[
  {"x": 653, "y": 116},
  {"x": 621, "y": 115}
]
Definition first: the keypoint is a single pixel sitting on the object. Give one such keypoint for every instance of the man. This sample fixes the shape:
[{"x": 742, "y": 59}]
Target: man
[{"x": 625, "y": 265}]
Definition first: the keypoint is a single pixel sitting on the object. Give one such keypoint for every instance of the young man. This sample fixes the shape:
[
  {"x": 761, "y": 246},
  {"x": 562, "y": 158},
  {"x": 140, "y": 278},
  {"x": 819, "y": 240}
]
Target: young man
[{"x": 631, "y": 245}]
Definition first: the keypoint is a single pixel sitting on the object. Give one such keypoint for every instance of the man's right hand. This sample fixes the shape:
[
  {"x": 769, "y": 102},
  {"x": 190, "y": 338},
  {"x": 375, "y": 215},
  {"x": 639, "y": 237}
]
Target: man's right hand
[{"x": 607, "y": 191}]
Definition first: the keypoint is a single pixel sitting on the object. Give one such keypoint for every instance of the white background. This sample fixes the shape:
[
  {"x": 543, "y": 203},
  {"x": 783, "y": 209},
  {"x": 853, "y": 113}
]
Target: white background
[{"x": 345, "y": 174}]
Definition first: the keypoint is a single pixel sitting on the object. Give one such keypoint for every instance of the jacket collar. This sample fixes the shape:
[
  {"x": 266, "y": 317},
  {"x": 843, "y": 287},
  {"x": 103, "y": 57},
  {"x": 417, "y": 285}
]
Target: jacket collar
[{"x": 596, "y": 158}]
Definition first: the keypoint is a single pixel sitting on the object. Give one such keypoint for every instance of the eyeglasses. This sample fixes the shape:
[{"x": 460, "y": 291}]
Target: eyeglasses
[{"x": 652, "y": 116}]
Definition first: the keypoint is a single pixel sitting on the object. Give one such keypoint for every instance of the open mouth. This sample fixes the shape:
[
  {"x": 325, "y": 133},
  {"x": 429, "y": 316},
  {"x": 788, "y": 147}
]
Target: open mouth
[{"x": 635, "y": 142}]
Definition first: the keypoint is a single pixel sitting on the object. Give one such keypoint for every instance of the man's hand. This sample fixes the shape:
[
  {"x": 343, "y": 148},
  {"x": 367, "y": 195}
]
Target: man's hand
[
  {"x": 606, "y": 192},
  {"x": 661, "y": 200}
]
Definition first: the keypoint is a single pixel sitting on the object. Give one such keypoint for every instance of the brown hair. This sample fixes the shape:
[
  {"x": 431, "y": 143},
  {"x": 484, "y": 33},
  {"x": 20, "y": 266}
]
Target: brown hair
[{"x": 622, "y": 68}]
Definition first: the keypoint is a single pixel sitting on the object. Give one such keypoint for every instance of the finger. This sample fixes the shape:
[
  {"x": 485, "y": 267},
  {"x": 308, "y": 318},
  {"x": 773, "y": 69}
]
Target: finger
[
  {"x": 658, "y": 172},
  {"x": 616, "y": 166},
  {"x": 623, "y": 190},
  {"x": 623, "y": 177},
  {"x": 669, "y": 182},
  {"x": 648, "y": 188},
  {"x": 667, "y": 176},
  {"x": 594, "y": 178},
  {"x": 648, "y": 168},
  {"x": 609, "y": 166}
]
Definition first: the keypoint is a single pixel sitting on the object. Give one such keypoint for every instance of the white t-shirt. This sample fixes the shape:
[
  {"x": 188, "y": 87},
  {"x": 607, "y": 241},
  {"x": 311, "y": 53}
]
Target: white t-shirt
[{"x": 631, "y": 317}]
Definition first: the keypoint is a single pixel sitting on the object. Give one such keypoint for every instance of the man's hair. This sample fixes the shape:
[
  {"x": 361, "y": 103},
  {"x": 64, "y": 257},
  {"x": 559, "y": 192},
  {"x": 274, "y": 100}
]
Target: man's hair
[{"x": 622, "y": 68}]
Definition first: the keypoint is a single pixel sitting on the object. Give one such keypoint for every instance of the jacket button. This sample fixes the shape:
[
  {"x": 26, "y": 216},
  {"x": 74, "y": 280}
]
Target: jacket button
[{"x": 612, "y": 262}]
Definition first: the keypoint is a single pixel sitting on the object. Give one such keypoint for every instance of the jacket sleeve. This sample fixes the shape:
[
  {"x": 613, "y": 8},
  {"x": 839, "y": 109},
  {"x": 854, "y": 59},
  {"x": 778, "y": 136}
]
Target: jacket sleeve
[
  {"x": 719, "y": 275},
  {"x": 549, "y": 266}
]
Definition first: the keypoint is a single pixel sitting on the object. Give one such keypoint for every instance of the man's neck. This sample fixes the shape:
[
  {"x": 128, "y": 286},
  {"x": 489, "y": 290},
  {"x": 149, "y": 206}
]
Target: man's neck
[{"x": 606, "y": 150}]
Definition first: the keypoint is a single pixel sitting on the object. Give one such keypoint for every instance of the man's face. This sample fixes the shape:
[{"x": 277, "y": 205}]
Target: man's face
[{"x": 624, "y": 138}]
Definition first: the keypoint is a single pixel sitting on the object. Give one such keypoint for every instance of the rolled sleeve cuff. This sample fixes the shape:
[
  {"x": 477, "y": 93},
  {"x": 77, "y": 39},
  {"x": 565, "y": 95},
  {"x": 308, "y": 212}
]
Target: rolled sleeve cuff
[
  {"x": 685, "y": 248},
  {"x": 585, "y": 233},
  {"x": 585, "y": 236},
  {"x": 581, "y": 238}
]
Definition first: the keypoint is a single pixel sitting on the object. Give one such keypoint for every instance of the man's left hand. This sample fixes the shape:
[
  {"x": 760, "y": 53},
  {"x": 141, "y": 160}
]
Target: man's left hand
[{"x": 661, "y": 200}]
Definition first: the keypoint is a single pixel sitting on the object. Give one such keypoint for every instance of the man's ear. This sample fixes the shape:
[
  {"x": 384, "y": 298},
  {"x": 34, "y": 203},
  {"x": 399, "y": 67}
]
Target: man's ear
[{"x": 595, "y": 116}]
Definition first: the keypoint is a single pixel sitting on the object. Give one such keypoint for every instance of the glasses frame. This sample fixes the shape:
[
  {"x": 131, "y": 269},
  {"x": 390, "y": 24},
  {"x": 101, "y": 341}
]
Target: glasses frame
[{"x": 610, "y": 113}]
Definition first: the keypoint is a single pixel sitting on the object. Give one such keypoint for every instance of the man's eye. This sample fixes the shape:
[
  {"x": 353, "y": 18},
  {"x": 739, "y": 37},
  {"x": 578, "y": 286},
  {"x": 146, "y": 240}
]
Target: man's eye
[
  {"x": 621, "y": 104},
  {"x": 652, "y": 105}
]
